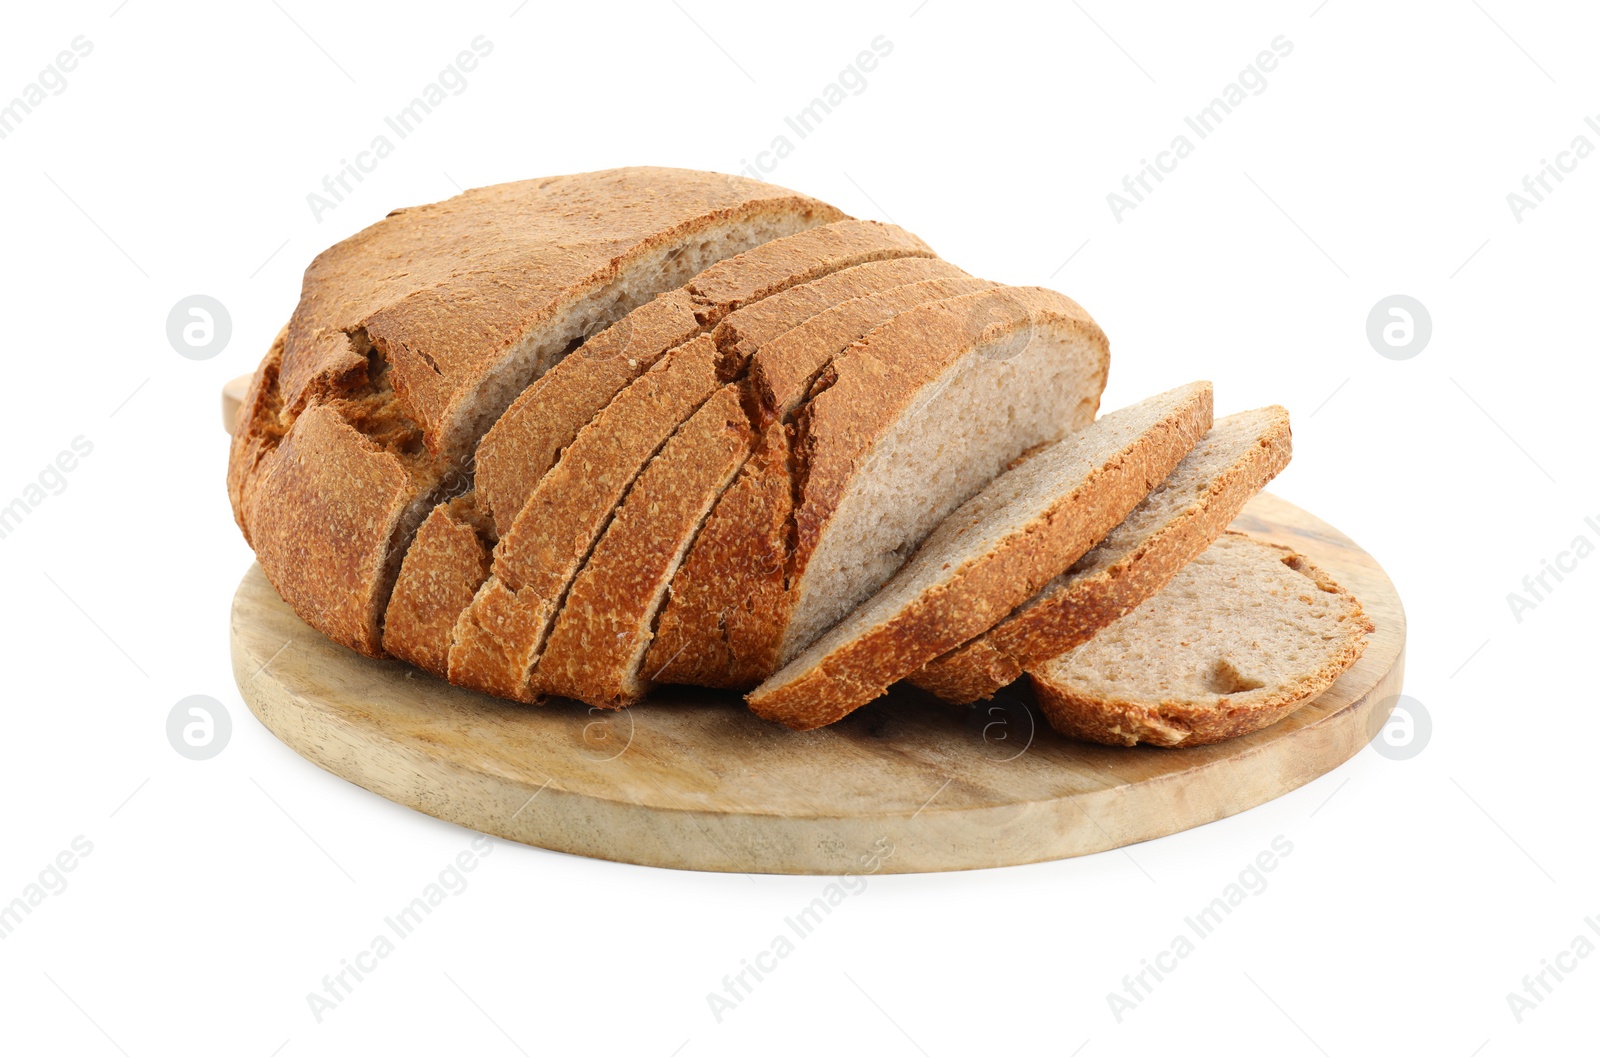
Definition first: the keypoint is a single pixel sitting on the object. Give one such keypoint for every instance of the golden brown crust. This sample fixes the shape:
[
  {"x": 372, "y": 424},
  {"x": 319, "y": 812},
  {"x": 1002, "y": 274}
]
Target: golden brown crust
[
  {"x": 735, "y": 564},
  {"x": 840, "y": 674},
  {"x": 326, "y": 505},
  {"x": 599, "y": 639},
  {"x": 497, "y": 640},
  {"x": 447, "y": 562},
  {"x": 256, "y": 432},
  {"x": 1170, "y": 723},
  {"x": 1070, "y": 611}
]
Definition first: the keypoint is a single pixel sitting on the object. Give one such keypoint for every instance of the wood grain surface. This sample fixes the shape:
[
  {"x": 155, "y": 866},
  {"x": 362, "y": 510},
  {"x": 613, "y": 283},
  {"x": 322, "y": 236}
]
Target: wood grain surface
[{"x": 692, "y": 780}]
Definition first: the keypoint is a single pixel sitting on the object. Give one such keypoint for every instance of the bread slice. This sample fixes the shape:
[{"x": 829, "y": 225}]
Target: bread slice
[
  {"x": 1240, "y": 638},
  {"x": 739, "y": 556},
  {"x": 600, "y": 637},
  {"x": 415, "y": 335},
  {"x": 1026, "y": 527},
  {"x": 500, "y": 637},
  {"x": 1175, "y": 522},
  {"x": 442, "y": 571},
  {"x": 529, "y": 437}
]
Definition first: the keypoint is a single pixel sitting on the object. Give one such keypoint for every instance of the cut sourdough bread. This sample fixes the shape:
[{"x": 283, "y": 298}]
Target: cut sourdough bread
[
  {"x": 743, "y": 546},
  {"x": 997, "y": 550},
  {"x": 603, "y": 630},
  {"x": 1240, "y": 638},
  {"x": 903, "y": 427},
  {"x": 414, "y": 335},
  {"x": 499, "y": 638},
  {"x": 1175, "y": 522},
  {"x": 529, "y": 437}
]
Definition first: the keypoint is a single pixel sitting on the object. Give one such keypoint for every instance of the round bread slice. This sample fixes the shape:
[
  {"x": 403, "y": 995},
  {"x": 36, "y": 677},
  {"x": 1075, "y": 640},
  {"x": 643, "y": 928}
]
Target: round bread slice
[
  {"x": 1240, "y": 638},
  {"x": 993, "y": 553},
  {"x": 1175, "y": 522}
]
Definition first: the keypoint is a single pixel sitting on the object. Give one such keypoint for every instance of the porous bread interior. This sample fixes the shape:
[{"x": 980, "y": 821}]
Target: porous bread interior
[
  {"x": 966, "y": 427},
  {"x": 1010, "y": 503},
  {"x": 1218, "y": 451},
  {"x": 1243, "y": 623}
]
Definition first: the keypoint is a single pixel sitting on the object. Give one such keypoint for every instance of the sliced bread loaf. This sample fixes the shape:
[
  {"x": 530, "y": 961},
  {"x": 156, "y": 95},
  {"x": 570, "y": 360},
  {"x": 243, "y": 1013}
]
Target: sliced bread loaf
[
  {"x": 416, "y": 334},
  {"x": 997, "y": 550},
  {"x": 528, "y": 438},
  {"x": 1237, "y": 640},
  {"x": 604, "y": 627},
  {"x": 738, "y": 559},
  {"x": 500, "y": 637},
  {"x": 1175, "y": 522}
]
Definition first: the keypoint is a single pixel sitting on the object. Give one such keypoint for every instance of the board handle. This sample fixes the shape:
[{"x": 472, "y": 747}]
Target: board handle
[{"x": 233, "y": 395}]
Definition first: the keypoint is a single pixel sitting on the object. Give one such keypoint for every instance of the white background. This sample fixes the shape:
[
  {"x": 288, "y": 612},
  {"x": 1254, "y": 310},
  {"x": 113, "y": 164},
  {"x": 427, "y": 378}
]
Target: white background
[{"x": 1377, "y": 161}]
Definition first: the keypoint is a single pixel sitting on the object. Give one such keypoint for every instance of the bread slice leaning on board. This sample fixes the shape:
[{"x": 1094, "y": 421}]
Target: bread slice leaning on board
[
  {"x": 1240, "y": 637},
  {"x": 583, "y": 435}
]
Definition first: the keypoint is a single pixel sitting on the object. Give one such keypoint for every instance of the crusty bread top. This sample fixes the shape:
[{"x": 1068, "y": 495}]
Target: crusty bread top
[
  {"x": 1240, "y": 636},
  {"x": 446, "y": 290}
]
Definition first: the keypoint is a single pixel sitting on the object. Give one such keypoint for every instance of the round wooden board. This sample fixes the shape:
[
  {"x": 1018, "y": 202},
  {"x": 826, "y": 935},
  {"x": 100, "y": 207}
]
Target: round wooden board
[{"x": 692, "y": 780}]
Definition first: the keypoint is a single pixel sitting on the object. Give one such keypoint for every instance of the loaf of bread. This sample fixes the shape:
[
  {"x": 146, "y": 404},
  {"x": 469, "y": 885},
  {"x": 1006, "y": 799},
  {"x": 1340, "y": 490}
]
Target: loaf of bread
[{"x": 578, "y": 436}]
